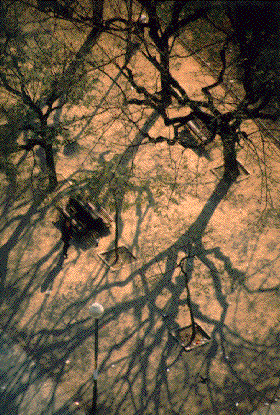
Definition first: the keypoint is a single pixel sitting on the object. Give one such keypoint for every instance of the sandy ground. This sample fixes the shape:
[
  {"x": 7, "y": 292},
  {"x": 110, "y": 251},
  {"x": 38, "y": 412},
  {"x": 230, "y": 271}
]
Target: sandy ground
[{"x": 234, "y": 277}]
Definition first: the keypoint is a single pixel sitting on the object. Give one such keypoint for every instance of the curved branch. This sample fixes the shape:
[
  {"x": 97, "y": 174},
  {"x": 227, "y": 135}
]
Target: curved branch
[
  {"x": 177, "y": 24},
  {"x": 206, "y": 89}
]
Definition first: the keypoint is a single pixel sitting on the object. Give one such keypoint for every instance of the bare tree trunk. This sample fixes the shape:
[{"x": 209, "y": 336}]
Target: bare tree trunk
[
  {"x": 165, "y": 75},
  {"x": 67, "y": 79},
  {"x": 231, "y": 170},
  {"x": 186, "y": 268},
  {"x": 116, "y": 229},
  {"x": 51, "y": 167},
  {"x": 46, "y": 144},
  {"x": 118, "y": 198},
  {"x": 191, "y": 312}
]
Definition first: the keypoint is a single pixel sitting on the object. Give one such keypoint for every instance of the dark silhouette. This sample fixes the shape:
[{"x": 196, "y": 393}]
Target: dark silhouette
[
  {"x": 67, "y": 234},
  {"x": 47, "y": 283},
  {"x": 85, "y": 218}
]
